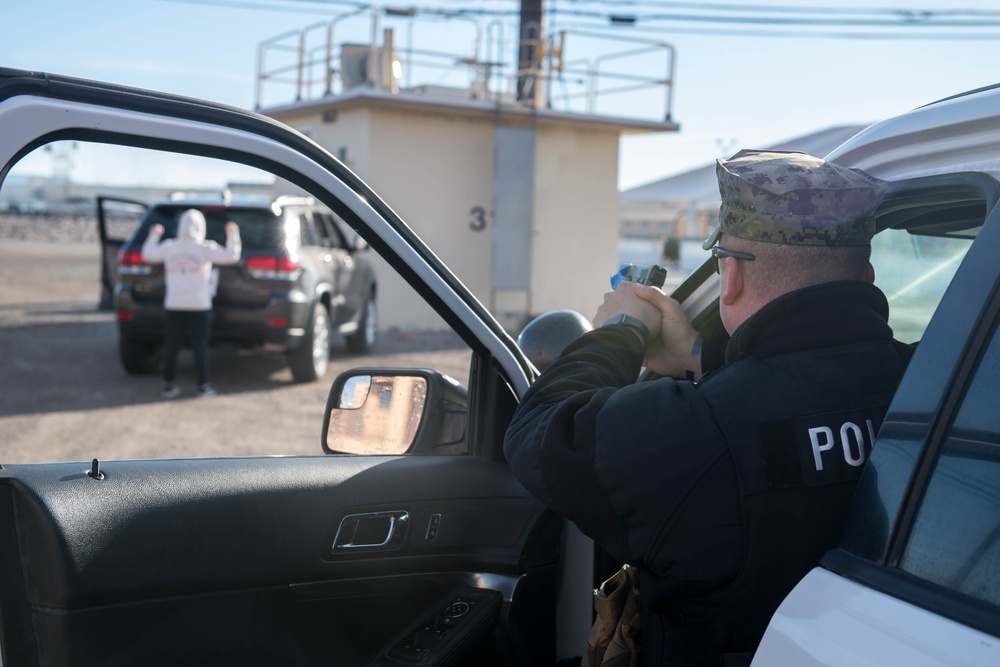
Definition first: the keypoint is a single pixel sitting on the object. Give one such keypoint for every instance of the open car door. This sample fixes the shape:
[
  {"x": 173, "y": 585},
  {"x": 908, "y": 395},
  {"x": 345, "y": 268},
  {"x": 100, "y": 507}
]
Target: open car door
[
  {"x": 384, "y": 556},
  {"x": 117, "y": 218}
]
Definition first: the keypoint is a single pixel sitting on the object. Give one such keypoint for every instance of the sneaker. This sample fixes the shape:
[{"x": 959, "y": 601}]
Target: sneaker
[
  {"x": 206, "y": 390},
  {"x": 171, "y": 391}
]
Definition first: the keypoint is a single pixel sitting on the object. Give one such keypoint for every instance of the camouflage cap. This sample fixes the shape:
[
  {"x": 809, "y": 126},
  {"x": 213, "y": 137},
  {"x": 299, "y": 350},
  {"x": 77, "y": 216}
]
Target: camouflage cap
[{"x": 794, "y": 198}]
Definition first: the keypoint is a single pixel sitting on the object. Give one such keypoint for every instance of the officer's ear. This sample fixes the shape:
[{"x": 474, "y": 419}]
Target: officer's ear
[
  {"x": 870, "y": 273},
  {"x": 731, "y": 281}
]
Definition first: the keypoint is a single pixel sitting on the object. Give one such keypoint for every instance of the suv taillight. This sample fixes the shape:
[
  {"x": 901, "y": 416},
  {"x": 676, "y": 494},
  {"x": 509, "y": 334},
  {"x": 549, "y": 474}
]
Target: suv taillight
[
  {"x": 273, "y": 268},
  {"x": 130, "y": 263}
]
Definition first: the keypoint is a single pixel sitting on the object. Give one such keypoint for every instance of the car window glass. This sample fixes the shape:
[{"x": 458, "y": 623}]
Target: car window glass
[
  {"x": 955, "y": 541},
  {"x": 307, "y": 232},
  {"x": 65, "y": 394},
  {"x": 260, "y": 228},
  {"x": 317, "y": 228},
  {"x": 914, "y": 272},
  {"x": 332, "y": 231}
]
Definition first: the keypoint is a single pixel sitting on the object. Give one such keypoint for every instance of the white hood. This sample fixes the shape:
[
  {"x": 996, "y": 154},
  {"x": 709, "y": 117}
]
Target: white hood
[{"x": 191, "y": 225}]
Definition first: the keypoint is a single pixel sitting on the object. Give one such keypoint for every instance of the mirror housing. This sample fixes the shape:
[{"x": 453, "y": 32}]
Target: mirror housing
[
  {"x": 391, "y": 411},
  {"x": 546, "y": 336}
]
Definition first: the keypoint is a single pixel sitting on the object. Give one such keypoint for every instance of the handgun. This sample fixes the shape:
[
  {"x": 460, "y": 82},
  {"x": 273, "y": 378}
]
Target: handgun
[{"x": 653, "y": 275}]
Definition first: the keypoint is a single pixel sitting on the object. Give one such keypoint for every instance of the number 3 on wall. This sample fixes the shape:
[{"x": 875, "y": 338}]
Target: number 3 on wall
[{"x": 478, "y": 222}]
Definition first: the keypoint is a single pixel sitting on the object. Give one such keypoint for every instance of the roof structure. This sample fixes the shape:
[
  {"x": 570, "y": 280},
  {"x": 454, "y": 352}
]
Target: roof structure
[{"x": 454, "y": 106}]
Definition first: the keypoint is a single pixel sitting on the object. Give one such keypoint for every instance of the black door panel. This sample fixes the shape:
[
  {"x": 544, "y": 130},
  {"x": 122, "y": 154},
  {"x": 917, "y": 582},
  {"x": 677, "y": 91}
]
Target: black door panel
[
  {"x": 213, "y": 560},
  {"x": 116, "y": 218}
]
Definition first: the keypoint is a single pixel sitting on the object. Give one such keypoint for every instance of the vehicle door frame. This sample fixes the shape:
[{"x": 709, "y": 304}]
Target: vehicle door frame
[{"x": 162, "y": 122}]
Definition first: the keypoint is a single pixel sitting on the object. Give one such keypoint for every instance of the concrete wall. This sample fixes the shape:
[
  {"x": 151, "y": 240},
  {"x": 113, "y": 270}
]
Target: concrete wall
[
  {"x": 436, "y": 172},
  {"x": 576, "y": 219},
  {"x": 347, "y": 134}
]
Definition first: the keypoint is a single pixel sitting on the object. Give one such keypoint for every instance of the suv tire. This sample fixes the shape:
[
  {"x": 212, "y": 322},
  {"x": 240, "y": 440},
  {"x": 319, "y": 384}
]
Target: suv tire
[
  {"x": 311, "y": 358},
  {"x": 363, "y": 340},
  {"x": 137, "y": 357}
]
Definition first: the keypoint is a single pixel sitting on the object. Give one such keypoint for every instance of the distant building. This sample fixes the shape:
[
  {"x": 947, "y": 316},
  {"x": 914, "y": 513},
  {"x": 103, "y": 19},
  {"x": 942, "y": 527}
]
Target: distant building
[{"x": 686, "y": 206}]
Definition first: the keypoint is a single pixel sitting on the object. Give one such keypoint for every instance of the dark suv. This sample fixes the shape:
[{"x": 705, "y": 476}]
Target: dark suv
[{"x": 302, "y": 279}]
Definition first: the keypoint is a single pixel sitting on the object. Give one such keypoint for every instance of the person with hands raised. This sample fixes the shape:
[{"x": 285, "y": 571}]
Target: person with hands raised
[{"x": 188, "y": 260}]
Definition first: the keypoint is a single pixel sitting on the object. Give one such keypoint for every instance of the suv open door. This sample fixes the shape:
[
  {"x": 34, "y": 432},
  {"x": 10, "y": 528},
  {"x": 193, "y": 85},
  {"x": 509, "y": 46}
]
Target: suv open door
[{"x": 116, "y": 220}]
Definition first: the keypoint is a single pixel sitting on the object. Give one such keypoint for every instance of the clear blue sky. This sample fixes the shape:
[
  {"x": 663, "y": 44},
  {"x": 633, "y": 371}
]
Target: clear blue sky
[{"x": 732, "y": 91}]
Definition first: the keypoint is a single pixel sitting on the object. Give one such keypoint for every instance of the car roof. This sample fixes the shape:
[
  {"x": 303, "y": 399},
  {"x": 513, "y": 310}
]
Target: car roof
[{"x": 955, "y": 134}]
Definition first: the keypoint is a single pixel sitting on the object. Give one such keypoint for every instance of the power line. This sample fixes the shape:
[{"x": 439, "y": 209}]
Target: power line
[
  {"x": 642, "y": 22},
  {"x": 790, "y": 9},
  {"x": 722, "y": 32},
  {"x": 789, "y": 21}
]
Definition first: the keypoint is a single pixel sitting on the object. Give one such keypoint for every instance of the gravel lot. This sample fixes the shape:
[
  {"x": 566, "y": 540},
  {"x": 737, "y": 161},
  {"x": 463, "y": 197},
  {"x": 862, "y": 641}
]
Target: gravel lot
[{"x": 65, "y": 397}]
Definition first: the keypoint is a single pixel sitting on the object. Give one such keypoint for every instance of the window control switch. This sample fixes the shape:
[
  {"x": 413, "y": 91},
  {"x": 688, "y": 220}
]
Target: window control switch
[{"x": 456, "y": 624}]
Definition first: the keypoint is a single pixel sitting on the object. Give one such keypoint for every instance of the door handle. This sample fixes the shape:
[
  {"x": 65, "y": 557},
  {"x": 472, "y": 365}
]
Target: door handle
[{"x": 382, "y": 531}]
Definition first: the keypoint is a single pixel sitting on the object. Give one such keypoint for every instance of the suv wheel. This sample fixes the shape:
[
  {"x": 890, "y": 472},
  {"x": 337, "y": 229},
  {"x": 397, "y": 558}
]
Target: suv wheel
[
  {"x": 363, "y": 340},
  {"x": 310, "y": 360},
  {"x": 138, "y": 358}
]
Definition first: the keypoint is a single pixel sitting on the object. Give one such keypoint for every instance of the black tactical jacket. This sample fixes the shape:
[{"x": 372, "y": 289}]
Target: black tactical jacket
[{"x": 723, "y": 492}]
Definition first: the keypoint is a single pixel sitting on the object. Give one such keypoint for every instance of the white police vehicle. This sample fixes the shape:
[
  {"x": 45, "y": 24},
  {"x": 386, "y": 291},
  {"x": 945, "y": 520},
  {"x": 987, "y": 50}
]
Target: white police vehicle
[
  {"x": 916, "y": 580},
  {"x": 443, "y": 558}
]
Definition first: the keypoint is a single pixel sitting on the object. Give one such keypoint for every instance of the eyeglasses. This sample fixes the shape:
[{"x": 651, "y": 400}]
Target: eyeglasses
[{"x": 718, "y": 252}]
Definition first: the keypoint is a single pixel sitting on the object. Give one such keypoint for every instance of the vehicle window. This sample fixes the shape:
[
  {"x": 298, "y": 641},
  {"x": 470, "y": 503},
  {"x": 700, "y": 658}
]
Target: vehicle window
[
  {"x": 69, "y": 395},
  {"x": 955, "y": 541},
  {"x": 914, "y": 272},
  {"x": 318, "y": 231},
  {"x": 308, "y": 234},
  {"x": 259, "y": 227},
  {"x": 332, "y": 231}
]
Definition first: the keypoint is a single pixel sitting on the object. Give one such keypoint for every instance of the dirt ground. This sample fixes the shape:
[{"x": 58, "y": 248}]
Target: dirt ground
[{"x": 65, "y": 397}]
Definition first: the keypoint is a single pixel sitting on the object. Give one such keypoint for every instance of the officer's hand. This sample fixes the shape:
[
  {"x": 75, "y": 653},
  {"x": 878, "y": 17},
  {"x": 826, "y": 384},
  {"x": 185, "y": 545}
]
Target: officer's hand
[
  {"x": 232, "y": 227},
  {"x": 156, "y": 229},
  {"x": 673, "y": 352},
  {"x": 625, "y": 301}
]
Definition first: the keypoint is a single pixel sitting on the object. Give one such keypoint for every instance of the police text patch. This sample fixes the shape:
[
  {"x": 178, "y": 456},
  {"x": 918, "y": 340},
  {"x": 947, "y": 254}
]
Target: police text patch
[{"x": 834, "y": 447}]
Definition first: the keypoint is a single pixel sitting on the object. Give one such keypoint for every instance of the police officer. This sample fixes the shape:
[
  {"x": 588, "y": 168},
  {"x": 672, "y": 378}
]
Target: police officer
[{"x": 724, "y": 489}]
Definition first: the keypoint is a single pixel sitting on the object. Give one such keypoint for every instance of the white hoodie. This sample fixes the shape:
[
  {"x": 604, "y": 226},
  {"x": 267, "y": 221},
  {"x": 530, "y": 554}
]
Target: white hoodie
[{"x": 188, "y": 261}]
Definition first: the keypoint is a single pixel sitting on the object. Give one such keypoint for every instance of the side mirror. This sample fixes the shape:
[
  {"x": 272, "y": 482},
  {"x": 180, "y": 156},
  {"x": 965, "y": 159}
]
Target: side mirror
[{"x": 389, "y": 411}]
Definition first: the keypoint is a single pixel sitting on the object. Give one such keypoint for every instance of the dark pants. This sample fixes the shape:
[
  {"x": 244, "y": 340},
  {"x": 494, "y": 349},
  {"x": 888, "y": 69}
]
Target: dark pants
[{"x": 195, "y": 325}]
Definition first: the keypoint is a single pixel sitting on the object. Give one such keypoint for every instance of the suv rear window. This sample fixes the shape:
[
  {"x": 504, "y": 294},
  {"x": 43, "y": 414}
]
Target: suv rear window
[{"x": 259, "y": 227}]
